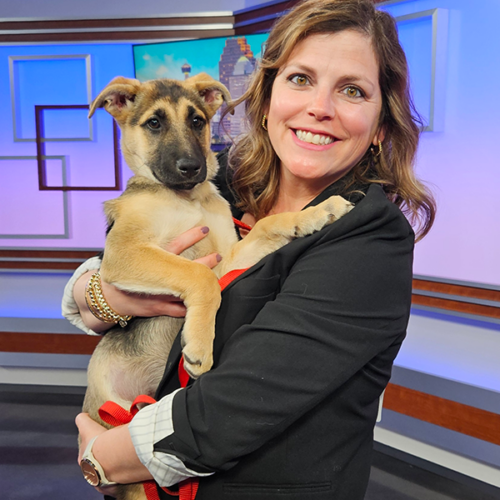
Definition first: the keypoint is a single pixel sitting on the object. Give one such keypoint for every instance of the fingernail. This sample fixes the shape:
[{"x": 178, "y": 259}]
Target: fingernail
[
  {"x": 218, "y": 257},
  {"x": 205, "y": 229}
]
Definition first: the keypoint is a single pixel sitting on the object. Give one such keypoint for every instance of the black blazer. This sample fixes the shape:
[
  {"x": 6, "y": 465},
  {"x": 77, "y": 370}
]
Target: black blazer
[{"x": 304, "y": 346}]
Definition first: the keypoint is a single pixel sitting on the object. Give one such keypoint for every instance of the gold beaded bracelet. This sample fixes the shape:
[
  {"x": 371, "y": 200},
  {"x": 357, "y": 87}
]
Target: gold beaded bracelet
[{"x": 97, "y": 303}]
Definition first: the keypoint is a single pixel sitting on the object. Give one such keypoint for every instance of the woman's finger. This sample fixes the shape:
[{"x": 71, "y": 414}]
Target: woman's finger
[
  {"x": 87, "y": 429},
  {"x": 110, "y": 491},
  {"x": 88, "y": 426},
  {"x": 173, "y": 309},
  {"x": 186, "y": 239},
  {"x": 209, "y": 260}
]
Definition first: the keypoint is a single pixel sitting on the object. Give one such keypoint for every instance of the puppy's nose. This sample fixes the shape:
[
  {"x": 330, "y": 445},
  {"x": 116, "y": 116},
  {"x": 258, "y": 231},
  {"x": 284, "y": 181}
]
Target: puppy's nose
[{"x": 188, "y": 168}]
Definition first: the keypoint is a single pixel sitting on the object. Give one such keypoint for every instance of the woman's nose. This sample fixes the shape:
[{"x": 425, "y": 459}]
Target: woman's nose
[{"x": 321, "y": 105}]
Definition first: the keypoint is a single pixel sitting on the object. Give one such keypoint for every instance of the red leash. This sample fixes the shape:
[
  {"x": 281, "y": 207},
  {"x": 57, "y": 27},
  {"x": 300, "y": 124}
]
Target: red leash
[{"x": 113, "y": 414}]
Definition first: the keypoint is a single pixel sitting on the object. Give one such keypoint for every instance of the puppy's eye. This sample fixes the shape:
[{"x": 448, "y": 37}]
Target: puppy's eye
[
  {"x": 154, "y": 123},
  {"x": 198, "y": 123}
]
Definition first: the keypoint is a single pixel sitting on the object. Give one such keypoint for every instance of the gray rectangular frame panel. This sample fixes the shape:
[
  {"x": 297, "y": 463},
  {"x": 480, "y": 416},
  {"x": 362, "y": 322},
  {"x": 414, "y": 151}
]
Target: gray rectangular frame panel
[
  {"x": 88, "y": 71},
  {"x": 438, "y": 63},
  {"x": 65, "y": 234}
]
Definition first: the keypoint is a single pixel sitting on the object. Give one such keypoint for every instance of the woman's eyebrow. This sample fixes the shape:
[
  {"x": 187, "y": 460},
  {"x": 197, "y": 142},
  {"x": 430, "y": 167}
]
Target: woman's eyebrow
[{"x": 299, "y": 67}]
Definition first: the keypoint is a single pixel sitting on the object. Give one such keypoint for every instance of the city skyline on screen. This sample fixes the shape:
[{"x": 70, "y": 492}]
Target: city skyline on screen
[
  {"x": 165, "y": 60},
  {"x": 230, "y": 60}
]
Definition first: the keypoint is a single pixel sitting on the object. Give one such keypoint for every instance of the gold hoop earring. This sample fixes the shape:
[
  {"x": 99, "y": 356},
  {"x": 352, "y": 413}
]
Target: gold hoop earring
[
  {"x": 376, "y": 155},
  {"x": 264, "y": 122}
]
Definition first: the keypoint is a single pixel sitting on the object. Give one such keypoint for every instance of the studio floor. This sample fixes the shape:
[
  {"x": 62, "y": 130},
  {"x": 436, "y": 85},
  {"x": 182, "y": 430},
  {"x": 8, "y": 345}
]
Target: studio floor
[{"x": 38, "y": 446}]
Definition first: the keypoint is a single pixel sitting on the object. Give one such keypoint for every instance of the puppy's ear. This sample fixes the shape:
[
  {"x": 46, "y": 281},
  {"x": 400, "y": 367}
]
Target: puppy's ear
[
  {"x": 211, "y": 91},
  {"x": 117, "y": 97}
]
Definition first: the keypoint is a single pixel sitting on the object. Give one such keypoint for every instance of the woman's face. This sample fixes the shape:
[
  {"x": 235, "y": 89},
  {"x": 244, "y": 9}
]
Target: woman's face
[{"x": 324, "y": 108}]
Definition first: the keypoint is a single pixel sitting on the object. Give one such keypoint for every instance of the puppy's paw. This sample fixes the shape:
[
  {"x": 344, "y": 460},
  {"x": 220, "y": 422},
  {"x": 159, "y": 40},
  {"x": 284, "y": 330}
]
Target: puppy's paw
[
  {"x": 336, "y": 207},
  {"x": 316, "y": 218},
  {"x": 197, "y": 358}
]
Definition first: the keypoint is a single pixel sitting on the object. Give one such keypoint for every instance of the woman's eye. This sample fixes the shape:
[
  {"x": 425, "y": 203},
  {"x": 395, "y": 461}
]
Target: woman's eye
[
  {"x": 353, "y": 92},
  {"x": 299, "y": 80},
  {"x": 154, "y": 123}
]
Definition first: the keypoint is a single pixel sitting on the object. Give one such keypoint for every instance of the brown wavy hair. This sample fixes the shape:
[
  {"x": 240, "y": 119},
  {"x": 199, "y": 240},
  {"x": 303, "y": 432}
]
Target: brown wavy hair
[{"x": 255, "y": 167}]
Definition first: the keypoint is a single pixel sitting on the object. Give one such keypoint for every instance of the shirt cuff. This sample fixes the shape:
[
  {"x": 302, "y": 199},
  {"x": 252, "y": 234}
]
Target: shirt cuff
[
  {"x": 152, "y": 424},
  {"x": 69, "y": 308}
]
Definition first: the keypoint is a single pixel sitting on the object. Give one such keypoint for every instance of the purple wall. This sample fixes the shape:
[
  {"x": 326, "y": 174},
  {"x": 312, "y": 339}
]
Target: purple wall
[{"x": 459, "y": 159}]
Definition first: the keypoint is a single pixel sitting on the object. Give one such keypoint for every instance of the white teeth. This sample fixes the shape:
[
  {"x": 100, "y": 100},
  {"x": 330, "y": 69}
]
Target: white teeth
[{"x": 313, "y": 139}]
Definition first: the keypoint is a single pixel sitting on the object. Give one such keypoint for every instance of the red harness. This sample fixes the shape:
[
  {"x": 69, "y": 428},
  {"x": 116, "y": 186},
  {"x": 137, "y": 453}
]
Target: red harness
[{"x": 113, "y": 414}]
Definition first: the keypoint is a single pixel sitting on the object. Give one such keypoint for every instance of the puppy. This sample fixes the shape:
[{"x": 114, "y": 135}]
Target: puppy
[{"x": 166, "y": 142}]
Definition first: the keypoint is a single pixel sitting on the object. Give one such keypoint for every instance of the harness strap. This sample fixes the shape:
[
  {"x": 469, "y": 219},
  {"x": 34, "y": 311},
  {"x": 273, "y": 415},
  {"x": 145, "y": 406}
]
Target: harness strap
[
  {"x": 182, "y": 373},
  {"x": 242, "y": 225},
  {"x": 229, "y": 277},
  {"x": 113, "y": 414},
  {"x": 232, "y": 275}
]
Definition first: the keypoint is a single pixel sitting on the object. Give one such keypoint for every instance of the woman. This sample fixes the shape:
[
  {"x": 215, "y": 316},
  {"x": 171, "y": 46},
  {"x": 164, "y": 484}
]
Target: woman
[{"x": 305, "y": 340}]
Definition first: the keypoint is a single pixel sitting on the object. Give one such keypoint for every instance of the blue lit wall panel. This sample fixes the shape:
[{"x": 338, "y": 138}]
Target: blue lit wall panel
[
  {"x": 460, "y": 163},
  {"x": 48, "y": 75}
]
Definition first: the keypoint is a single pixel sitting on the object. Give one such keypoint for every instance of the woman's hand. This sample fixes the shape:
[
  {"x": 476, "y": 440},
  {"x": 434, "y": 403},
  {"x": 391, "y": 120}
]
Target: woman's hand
[
  {"x": 89, "y": 429},
  {"x": 113, "y": 450},
  {"x": 136, "y": 304}
]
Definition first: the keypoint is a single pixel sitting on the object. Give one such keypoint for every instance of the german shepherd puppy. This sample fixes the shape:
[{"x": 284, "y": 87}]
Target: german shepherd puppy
[{"x": 166, "y": 142}]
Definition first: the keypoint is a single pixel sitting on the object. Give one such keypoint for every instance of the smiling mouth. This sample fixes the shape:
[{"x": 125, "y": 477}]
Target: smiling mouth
[{"x": 318, "y": 139}]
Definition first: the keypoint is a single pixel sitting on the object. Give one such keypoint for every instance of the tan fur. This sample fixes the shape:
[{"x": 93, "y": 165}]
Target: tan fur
[{"x": 146, "y": 217}]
